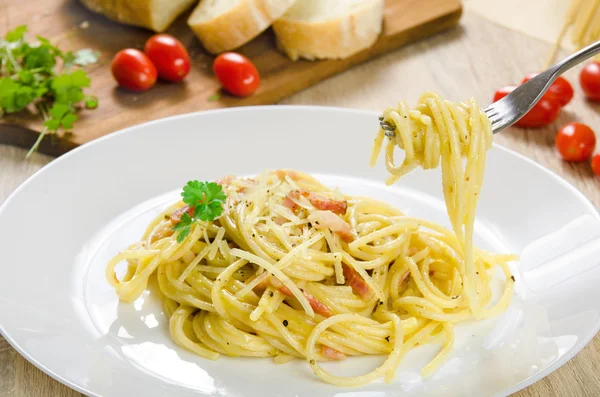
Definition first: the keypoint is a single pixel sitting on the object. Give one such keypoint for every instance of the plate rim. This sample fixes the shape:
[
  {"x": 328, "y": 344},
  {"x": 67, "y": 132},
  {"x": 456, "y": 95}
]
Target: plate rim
[{"x": 270, "y": 108}]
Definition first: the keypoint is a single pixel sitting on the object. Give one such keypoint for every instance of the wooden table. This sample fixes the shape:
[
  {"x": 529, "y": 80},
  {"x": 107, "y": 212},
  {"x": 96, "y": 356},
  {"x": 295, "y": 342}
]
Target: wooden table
[{"x": 457, "y": 64}]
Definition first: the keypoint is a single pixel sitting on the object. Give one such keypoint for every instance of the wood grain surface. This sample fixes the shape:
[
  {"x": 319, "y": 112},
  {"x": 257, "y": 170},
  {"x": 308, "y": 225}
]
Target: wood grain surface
[
  {"x": 472, "y": 60},
  {"x": 62, "y": 21}
]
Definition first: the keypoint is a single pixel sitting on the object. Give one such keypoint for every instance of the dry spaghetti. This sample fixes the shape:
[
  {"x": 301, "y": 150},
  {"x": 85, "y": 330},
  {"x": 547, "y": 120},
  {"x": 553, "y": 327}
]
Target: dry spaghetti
[{"x": 583, "y": 19}]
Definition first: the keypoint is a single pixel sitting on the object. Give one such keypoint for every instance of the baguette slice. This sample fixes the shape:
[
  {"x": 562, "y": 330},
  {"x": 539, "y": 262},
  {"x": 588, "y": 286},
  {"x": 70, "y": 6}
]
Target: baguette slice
[
  {"x": 156, "y": 15},
  {"x": 329, "y": 29},
  {"x": 223, "y": 25}
]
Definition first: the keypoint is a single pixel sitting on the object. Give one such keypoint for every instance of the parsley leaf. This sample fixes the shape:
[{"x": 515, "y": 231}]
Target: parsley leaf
[
  {"x": 68, "y": 87},
  {"x": 207, "y": 198},
  {"x": 183, "y": 227},
  {"x": 16, "y": 34},
  {"x": 58, "y": 111},
  {"x": 40, "y": 57},
  {"x": 61, "y": 116},
  {"x": 91, "y": 102},
  {"x": 203, "y": 192},
  {"x": 14, "y": 96},
  {"x": 31, "y": 74}
]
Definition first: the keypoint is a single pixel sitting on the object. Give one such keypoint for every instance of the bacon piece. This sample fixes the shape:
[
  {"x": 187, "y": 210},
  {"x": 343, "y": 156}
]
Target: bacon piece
[
  {"x": 176, "y": 216},
  {"x": 226, "y": 180},
  {"x": 289, "y": 203},
  {"x": 159, "y": 235},
  {"x": 260, "y": 286},
  {"x": 318, "y": 306},
  {"x": 332, "y": 354},
  {"x": 325, "y": 204},
  {"x": 330, "y": 220},
  {"x": 319, "y": 202},
  {"x": 358, "y": 284},
  {"x": 281, "y": 174}
]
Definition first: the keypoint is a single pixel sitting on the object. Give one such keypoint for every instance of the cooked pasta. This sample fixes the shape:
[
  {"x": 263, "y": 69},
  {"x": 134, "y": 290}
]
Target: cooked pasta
[
  {"x": 442, "y": 132},
  {"x": 293, "y": 269}
]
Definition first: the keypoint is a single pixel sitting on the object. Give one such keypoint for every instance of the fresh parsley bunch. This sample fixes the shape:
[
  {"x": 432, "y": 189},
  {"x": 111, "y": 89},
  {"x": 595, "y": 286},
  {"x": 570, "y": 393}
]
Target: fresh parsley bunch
[
  {"x": 207, "y": 199},
  {"x": 29, "y": 76}
]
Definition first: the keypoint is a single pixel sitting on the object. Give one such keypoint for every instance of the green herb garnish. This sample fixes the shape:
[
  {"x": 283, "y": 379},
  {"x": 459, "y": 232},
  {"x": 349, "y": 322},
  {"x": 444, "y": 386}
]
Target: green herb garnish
[
  {"x": 207, "y": 199},
  {"x": 31, "y": 75}
]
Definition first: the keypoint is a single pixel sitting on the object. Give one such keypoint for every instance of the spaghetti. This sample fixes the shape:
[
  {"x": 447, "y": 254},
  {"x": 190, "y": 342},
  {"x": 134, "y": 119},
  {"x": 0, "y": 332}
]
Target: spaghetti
[
  {"x": 293, "y": 269},
  {"x": 442, "y": 132},
  {"x": 583, "y": 18}
]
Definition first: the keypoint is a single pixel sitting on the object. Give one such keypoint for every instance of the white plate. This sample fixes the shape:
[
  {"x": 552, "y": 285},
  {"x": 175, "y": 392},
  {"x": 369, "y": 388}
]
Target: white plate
[{"x": 59, "y": 228}]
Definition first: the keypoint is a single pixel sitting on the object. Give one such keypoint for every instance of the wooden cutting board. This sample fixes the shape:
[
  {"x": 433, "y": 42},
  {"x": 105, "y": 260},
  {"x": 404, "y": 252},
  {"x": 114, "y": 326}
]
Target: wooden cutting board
[{"x": 71, "y": 26}]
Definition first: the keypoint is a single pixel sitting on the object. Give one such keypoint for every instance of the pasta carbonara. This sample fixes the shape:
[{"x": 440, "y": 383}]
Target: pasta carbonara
[{"x": 293, "y": 269}]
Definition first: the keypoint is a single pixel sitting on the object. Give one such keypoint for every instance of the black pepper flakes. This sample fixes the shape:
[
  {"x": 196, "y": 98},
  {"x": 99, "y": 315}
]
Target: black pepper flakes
[
  {"x": 285, "y": 323},
  {"x": 387, "y": 338},
  {"x": 271, "y": 293},
  {"x": 380, "y": 302},
  {"x": 512, "y": 278},
  {"x": 312, "y": 362}
]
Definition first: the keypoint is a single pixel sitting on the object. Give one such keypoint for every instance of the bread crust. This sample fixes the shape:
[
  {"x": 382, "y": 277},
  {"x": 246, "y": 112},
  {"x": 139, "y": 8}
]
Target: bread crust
[
  {"x": 156, "y": 15},
  {"x": 335, "y": 38},
  {"x": 237, "y": 26}
]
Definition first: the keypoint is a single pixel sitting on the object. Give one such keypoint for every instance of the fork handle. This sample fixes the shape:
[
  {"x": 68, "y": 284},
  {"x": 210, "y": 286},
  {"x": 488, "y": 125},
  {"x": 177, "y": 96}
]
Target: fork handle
[
  {"x": 527, "y": 95},
  {"x": 575, "y": 59},
  {"x": 548, "y": 76}
]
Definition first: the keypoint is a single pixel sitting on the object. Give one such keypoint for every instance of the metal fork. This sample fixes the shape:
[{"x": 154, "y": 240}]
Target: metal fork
[{"x": 515, "y": 105}]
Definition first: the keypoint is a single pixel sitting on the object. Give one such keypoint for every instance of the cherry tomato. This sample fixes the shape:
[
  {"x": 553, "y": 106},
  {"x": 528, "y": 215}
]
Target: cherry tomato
[
  {"x": 504, "y": 91},
  {"x": 133, "y": 70},
  {"x": 596, "y": 164},
  {"x": 575, "y": 142},
  {"x": 561, "y": 89},
  {"x": 236, "y": 73},
  {"x": 543, "y": 113},
  {"x": 590, "y": 80},
  {"x": 169, "y": 56}
]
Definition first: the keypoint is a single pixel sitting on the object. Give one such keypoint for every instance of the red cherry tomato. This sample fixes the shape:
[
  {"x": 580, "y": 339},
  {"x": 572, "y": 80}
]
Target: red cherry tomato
[
  {"x": 133, "y": 70},
  {"x": 575, "y": 142},
  {"x": 504, "y": 91},
  {"x": 590, "y": 80},
  {"x": 236, "y": 73},
  {"x": 561, "y": 89},
  {"x": 596, "y": 164},
  {"x": 543, "y": 113},
  {"x": 169, "y": 56}
]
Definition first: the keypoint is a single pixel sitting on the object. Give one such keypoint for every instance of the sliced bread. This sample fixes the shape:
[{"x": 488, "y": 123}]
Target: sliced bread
[
  {"x": 321, "y": 29},
  {"x": 156, "y": 15},
  {"x": 223, "y": 25}
]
